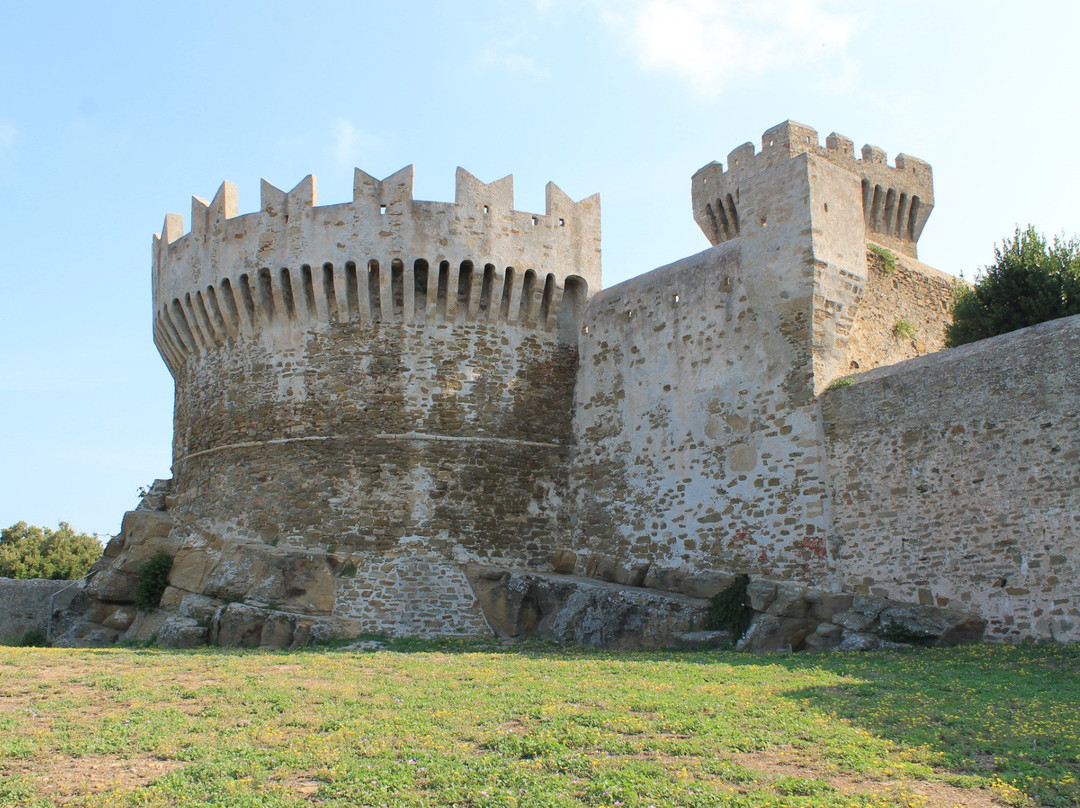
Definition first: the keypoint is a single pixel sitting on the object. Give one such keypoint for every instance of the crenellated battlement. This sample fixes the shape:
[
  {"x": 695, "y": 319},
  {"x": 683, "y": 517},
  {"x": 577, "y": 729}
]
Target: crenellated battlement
[
  {"x": 381, "y": 257},
  {"x": 897, "y": 199}
]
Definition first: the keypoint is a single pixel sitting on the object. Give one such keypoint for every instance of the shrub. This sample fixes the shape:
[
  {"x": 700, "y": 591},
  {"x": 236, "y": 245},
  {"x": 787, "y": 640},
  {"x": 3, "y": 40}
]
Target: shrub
[
  {"x": 728, "y": 610},
  {"x": 28, "y": 551},
  {"x": 887, "y": 256},
  {"x": 1031, "y": 281},
  {"x": 843, "y": 381},
  {"x": 904, "y": 329},
  {"x": 34, "y": 638},
  {"x": 153, "y": 578}
]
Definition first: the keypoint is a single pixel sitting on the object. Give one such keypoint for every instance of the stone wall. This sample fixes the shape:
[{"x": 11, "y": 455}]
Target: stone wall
[
  {"x": 698, "y": 440},
  {"x": 402, "y": 450},
  {"x": 911, "y": 292},
  {"x": 25, "y": 605},
  {"x": 955, "y": 481}
]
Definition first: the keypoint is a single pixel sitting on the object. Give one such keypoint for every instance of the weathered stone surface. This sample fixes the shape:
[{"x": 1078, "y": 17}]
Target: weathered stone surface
[
  {"x": 112, "y": 585},
  {"x": 825, "y": 637},
  {"x": 121, "y": 618},
  {"x": 693, "y": 640},
  {"x": 182, "y": 632},
  {"x": 863, "y": 613},
  {"x": 240, "y": 625},
  {"x": 857, "y": 641},
  {"x": 826, "y": 605},
  {"x": 26, "y": 604},
  {"x": 584, "y": 611},
  {"x": 760, "y": 594},
  {"x": 790, "y": 601},
  {"x": 705, "y": 584},
  {"x": 564, "y": 562}
]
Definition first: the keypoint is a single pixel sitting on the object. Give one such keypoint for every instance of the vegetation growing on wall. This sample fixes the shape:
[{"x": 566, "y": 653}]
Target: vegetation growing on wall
[
  {"x": 29, "y": 551},
  {"x": 886, "y": 256},
  {"x": 153, "y": 578},
  {"x": 1031, "y": 281},
  {"x": 728, "y": 610}
]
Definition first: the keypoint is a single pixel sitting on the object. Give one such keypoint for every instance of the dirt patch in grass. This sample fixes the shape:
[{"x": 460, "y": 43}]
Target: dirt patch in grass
[
  {"x": 777, "y": 763},
  {"x": 64, "y": 778}
]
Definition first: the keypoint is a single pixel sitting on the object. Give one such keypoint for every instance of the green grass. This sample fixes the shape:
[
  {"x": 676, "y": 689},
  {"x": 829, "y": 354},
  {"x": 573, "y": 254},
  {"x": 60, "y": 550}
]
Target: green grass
[{"x": 459, "y": 725}]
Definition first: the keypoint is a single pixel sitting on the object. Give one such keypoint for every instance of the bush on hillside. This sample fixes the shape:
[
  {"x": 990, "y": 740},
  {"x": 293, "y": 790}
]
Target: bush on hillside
[
  {"x": 1031, "y": 281},
  {"x": 28, "y": 551}
]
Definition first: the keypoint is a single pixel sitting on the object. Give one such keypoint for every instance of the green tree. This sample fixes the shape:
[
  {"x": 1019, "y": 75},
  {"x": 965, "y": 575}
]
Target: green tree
[
  {"x": 1031, "y": 281},
  {"x": 28, "y": 551}
]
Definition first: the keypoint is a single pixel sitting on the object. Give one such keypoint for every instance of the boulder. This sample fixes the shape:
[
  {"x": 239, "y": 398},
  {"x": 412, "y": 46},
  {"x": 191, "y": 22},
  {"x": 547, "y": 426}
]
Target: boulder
[
  {"x": 694, "y": 640},
  {"x": 182, "y": 632},
  {"x": 240, "y": 625},
  {"x": 705, "y": 584},
  {"x": 825, "y": 637},
  {"x": 760, "y": 594}
]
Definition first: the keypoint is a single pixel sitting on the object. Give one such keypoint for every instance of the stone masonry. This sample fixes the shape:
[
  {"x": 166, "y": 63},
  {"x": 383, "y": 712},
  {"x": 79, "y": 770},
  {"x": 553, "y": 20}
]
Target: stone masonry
[{"x": 427, "y": 419}]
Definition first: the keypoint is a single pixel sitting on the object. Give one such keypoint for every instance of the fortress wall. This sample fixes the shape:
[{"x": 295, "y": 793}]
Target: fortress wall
[
  {"x": 698, "y": 442},
  {"x": 25, "y": 604},
  {"x": 914, "y": 292},
  {"x": 402, "y": 450},
  {"x": 955, "y": 480}
]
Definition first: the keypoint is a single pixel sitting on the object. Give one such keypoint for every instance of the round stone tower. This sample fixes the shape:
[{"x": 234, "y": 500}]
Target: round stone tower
[{"x": 387, "y": 382}]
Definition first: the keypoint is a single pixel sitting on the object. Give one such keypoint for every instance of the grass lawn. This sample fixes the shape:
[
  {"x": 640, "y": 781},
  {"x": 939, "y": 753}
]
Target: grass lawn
[{"x": 458, "y": 725}]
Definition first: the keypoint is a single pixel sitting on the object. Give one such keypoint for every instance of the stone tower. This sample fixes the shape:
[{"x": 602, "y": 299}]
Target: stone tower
[{"x": 384, "y": 385}]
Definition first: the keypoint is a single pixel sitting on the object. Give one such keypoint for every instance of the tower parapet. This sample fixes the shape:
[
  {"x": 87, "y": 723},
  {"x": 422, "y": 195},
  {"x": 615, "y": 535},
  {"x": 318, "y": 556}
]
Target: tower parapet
[
  {"x": 896, "y": 200},
  {"x": 381, "y": 257}
]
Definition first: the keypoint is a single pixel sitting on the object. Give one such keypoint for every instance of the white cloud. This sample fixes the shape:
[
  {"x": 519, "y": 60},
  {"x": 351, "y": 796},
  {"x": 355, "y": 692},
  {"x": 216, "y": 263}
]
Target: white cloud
[
  {"x": 507, "y": 61},
  {"x": 7, "y": 137},
  {"x": 713, "y": 43},
  {"x": 353, "y": 144}
]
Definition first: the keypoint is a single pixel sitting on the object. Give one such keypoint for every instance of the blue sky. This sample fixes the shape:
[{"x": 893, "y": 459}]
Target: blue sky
[{"x": 114, "y": 114}]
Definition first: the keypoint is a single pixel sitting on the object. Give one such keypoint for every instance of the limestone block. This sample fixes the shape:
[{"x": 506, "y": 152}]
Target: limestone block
[
  {"x": 240, "y": 625},
  {"x": 145, "y": 626},
  {"x": 602, "y": 567},
  {"x": 142, "y": 526},
  {"x": 769, "y": 632},
  {"x": 859, "y": 641},
  {"x": 182, "y": 632},
  {"x": 693, "y": 640},
  {"x": 761, "y": 595},
  {"x": 121, "y": 618},
  {"x": 631, "y": 576},
  {"x": 113, "y": 585},
  {"x": 85, "y": 634},
  {"x": 705, "y": 584},
  {"x": 564, "y": 561},
  {"x": 948, "y": 626},
  {"x": 666, "y": 578},
  {"x": 825, "y": 637},
  {"x": 790, "y": 601},
  {"x": 863, "y": 613},
  {"x": 277, "y": 632},
  {"x": 826, "y": 605},
  {"x": 171, "y": 598},
  {"x": 199, "y": 607},
  {"x": 191, "y": 568}
]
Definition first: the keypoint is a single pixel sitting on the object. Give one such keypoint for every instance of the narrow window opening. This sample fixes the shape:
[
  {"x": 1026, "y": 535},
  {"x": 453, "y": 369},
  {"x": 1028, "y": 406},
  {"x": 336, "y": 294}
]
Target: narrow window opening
[
  {"x": 182, "y": 325},
  {"x": 382, "y": 210},
  {"x": 545, "y": 301},
  {"x": 527, "y": 286},
  {"x": 487, "y": 210},
  {"x": 329, "y": 291},
  {"x": 507, "y": 293},
  {"x": 248, "y": 300},
  {"x": 216, "y": 313},
  {"x": 675, "y": 299},
  {"x": 308, "y": 290},
  {"x": 420, "y": 276},
  {"x": 562, "y": 222},
  {"x": 571, "y": 308},
  {"x": 464, "y": 290},
  {"x": 486, "y": 287},
  {"x": 535, "y": 220},
  {"x": 352, "y": 290},
  {"x": 204, "y": 317},
  {"x": 397, "y": 288},
  {"x": 442, "y": 290},
  {"x": 287, "y": 293},
  {"x": 764, "y": 222},
  {"x": 230, "y": 303},
  {"x": 374, "y": 290}
]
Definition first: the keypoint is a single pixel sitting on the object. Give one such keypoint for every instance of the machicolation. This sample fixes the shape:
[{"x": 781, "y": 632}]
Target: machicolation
[{"x": 429, "y": 419}]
